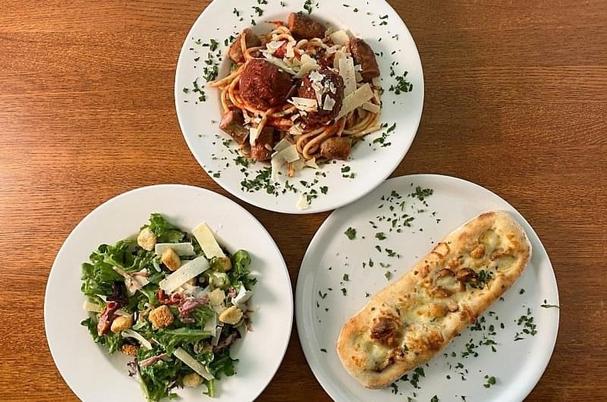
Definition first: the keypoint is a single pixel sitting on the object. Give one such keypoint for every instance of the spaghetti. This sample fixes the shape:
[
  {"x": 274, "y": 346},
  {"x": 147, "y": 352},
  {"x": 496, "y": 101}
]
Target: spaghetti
[{"x": 319, "y": 121}]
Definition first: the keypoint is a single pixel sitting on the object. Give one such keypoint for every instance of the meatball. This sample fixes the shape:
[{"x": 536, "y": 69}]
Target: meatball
[
  {"x": 304, "y": 27},
  {"x": 235, "y": 52},
  {"x": 327, "y": 87},
  {"x": 363, "y": 55},
  {"x": 336, "y": 148},
  {"x": 263, "y": 85}
]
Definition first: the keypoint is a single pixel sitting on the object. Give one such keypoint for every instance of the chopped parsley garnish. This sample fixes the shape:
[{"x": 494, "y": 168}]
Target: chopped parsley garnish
[
  {"x": 527, "y": 322},
  {"x": 434, "y": 399},
  {"x": 489, "y": 381},
  {"x": 323, "y": 350},
  {"x": 388, "y": 275},
  {"x": 309, "y": 6},
  {"x": 380, "y": 236},
  {"x": 350, "y": 233},
  {"x": 346, "y": 278},
  {"x": 324, "y": 189},
  {"x": 421, "y": 193},
  {"x": 402, "y": 85},
  {"x": 344, "y": 291}
]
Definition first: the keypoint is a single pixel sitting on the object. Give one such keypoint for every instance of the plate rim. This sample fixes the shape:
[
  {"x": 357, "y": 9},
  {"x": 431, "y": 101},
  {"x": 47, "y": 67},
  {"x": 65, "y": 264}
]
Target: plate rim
[
  {"x": 269, "y": 207},
  {"x": 105, "y": 204},
  {"x": 299, "y": 309}
]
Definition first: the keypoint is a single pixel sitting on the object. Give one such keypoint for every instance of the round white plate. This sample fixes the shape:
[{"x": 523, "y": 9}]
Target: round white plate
[
  {"x": 370, "y": 163},
  {"x": 94, "y": 375},
  {"x": 516, "y": 365}
]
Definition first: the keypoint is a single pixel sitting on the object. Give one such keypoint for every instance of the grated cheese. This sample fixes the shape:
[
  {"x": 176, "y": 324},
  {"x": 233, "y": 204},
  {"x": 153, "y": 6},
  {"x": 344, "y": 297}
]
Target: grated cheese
[
  {"x": 186, "y": 272},
  {"x": 346, "y": 70},
  {"x": 207, "y": 241},
  {"x": 356, "y": 100}
]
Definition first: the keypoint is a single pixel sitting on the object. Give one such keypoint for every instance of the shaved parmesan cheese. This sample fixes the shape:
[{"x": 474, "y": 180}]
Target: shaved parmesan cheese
[
  {"x": 253, "y": 135},
  {"x": 193, "y": 363},
  {"x": 338, "y": 56},
  {"x": 215, "y": 340},
  {"x": 182, "y": 249},
  {"x": 288, "y": 154},
  {"x": 242, "y": 297},
  {"x": 211, "y": 325},
  {"x": 187, "y": 271},
  {"x": 279, "y": 63},
  {"x": 207, "y": 241},
  {"x": 92, "y": 307},
  {"x": 306, "y": 104},
  {"x": 329, "y": 103},
  {"x": 359, "y": 76},
  {"x": 356, "y": 100},
  {"x": 346, "y": 70},
  {"x": 371, "y": 107},
  {"x": 340, "y": 38},
  {"x": 307, "y": 64},
  {"x": 129, "y": 333},
  {"x": 297, "y": 165},
  {"x": 312, "y": 163},
  {"x": 282, "y": 144},
  {"x": 303, "y": 202}
]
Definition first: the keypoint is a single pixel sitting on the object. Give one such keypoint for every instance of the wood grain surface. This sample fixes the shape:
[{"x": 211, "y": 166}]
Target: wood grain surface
[{"x": 516, "y": 100}]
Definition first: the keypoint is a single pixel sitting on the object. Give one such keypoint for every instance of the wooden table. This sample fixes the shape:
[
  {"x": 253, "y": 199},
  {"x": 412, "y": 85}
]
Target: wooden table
[{"x": 516, "y": 100}]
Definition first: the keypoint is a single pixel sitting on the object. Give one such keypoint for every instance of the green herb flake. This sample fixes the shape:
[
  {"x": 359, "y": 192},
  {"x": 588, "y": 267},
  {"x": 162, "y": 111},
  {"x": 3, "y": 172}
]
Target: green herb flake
[{"x": 350, "y": 233}]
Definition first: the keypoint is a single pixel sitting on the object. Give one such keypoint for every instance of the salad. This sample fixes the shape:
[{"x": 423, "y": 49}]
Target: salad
[{"x": 173, "y": 301}]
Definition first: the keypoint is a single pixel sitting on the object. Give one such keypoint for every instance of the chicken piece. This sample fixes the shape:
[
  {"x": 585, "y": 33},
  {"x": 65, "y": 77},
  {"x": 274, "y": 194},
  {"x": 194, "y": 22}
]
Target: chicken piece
[
  {"x": 336, "y": 148},
  {"x": 263, "y": 85},
  {"x": 233, "y": 124},
  {"x": 304, "y": 27},
  {"x": 262, "y": 150},
  {"x": 235, "y": 52},
  {"x": 363, "y": 55},
  {"x": 327, "y": 88}
]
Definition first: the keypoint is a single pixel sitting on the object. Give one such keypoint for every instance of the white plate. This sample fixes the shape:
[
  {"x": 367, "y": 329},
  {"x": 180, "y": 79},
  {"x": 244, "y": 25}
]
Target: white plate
[
  {"x": 94, "y": 375},
  {"x": 370, "y": 162},
  {"x": 517, "y": 365}
]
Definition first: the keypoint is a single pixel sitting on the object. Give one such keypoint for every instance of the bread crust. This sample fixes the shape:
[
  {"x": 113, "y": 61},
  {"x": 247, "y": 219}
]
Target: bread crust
[{"x": 412, "y": 319}]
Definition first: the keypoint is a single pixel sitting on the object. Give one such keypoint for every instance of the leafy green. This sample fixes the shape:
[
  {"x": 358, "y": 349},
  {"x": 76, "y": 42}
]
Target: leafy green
[
  {"x": 126, "y": 255},
  {"x": 202, "y": 315},
  {"x": 97, "y": 278},
  {"x": 240, "y": 270},
  {"x": 158, "y": 379},
  {"x": 222, "y": 364},
  {"x": 171, "y": 339},
  {"x": 111, "y": 341},
  {"x": 164, "y": 231}
]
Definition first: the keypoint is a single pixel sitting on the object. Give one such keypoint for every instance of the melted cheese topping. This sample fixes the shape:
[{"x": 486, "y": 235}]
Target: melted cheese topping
[{"x": 442, "y": 290}]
